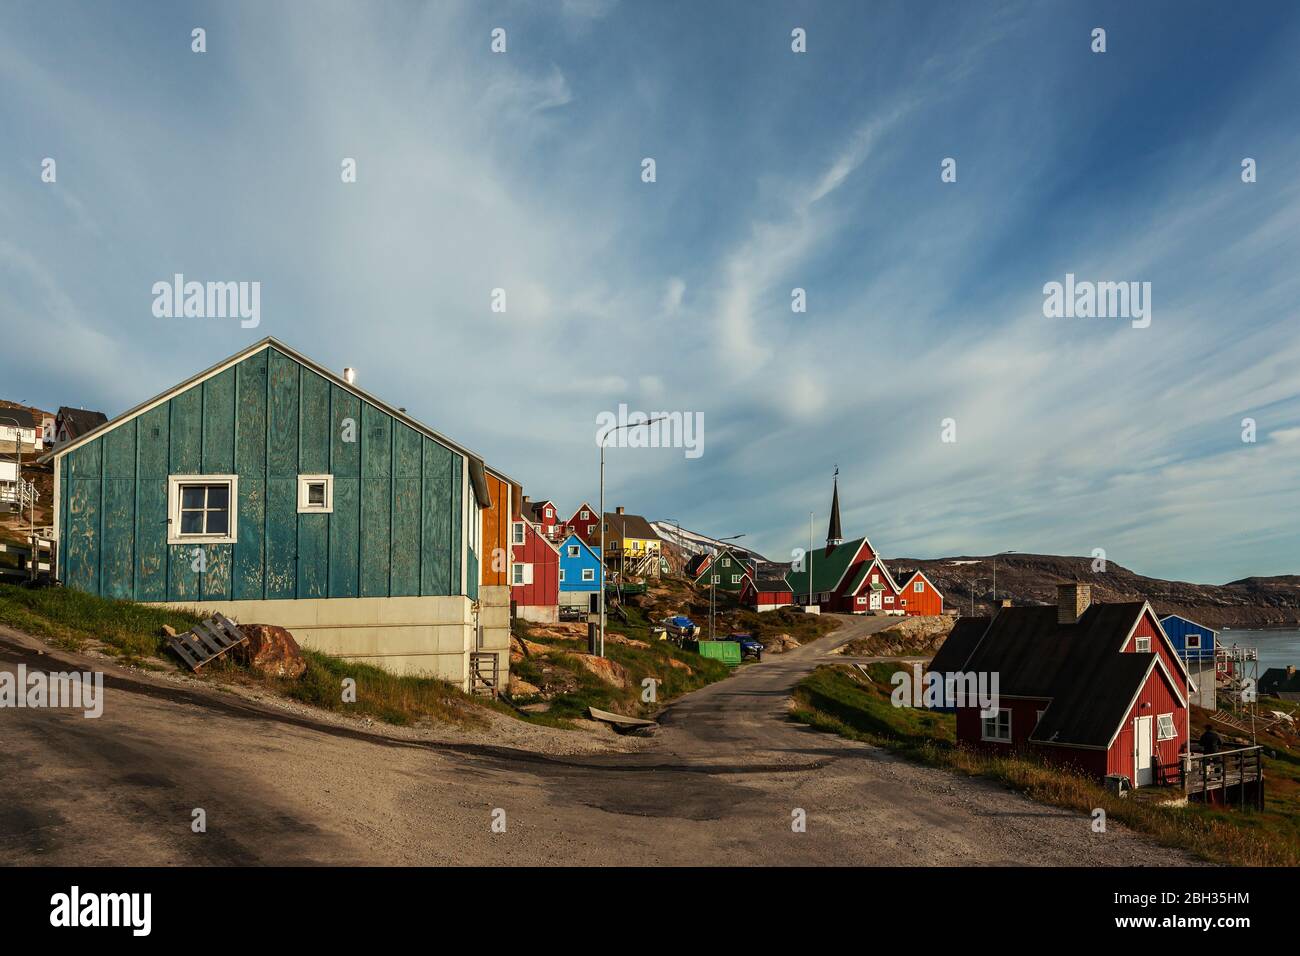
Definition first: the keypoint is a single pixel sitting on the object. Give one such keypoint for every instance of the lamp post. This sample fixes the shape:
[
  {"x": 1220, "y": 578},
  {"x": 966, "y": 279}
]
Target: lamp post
[
  {"x": 810, "y": 552},
  {"x": 713, "y": 585},
  {"x": 611, "y": 431}
]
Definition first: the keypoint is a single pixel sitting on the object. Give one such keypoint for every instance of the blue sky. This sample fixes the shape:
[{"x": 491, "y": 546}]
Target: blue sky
[{"x": 775, "y": 170}]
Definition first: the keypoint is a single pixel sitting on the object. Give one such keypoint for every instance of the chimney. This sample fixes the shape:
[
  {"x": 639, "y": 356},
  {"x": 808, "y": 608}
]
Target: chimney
[
  {"x": 1071, "y": 601},
  {"x": 618, "y": 510},
  {"x": 350, "y": 375},
  {"x": 528, "y": 503}
]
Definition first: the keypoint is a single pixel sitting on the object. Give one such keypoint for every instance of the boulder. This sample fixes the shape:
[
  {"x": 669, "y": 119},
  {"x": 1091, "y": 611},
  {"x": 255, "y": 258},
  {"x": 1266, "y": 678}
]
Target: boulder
[
  {"x": 521, "y": 688},
  {"x": 271, "y": 650},
  {"x": 611, "y": 672},
  {"x": 521, "y": 647}
]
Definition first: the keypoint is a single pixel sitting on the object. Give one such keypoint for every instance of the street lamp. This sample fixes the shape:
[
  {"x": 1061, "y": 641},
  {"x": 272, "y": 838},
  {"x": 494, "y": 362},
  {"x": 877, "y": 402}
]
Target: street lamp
[
  {"x": 601, "y": 605},
  {"x": 713, "y": 585}
]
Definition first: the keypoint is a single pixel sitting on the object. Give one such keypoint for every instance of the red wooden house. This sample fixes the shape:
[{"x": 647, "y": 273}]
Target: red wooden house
[
  {"x": 535, "y": 587},
  {"x": 584, "y": 524},
  {"x": 1097, "y": 687},
  {"x": 766, "y": 589},
  {"x": 546, "y": 516},
  {"x": 919, "y": 596}
]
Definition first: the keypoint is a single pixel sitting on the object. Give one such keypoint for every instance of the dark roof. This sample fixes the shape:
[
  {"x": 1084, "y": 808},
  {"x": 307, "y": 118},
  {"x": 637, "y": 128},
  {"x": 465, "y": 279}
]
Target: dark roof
[
  {"x": 1274, "y": 679},
  {"x": 1087, "y": 712},
  {"x": 20, "y": 415},
  {"x": 630, "y": 526},
  {"x": 958, "y": 645},
  {"x": 770, "y": 576},
  {"x": 833, "y": 532},
  {"x": 828, "y": 567},
  {"x": 696, "y": 563},
  {"x": 78, "y": 421}
]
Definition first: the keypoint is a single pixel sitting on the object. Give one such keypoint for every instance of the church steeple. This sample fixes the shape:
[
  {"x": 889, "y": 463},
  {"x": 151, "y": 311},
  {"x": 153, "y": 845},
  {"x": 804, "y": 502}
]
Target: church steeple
[{"x": 834, "y": 535}]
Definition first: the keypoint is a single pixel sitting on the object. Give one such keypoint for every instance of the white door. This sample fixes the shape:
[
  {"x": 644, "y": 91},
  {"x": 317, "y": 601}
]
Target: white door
[
  {"x": 1143, "y": 770},
  {"x": 875, "y": 600}
]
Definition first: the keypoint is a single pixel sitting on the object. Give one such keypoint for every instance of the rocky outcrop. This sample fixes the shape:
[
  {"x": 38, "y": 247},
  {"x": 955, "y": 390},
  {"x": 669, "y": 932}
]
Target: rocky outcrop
[{"x": 611, "y": 672}]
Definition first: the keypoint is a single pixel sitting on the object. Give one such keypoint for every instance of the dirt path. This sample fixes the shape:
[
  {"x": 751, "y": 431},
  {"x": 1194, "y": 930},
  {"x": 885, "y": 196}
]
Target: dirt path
[{"x": 718, "y": 785}]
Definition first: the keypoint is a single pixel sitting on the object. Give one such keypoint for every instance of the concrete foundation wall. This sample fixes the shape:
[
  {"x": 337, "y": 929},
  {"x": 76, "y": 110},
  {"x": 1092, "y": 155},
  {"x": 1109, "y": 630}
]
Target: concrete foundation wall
[
  {"x": 428, "y": 636},
  {"x": 1203, "y": 676},
  {"x": 538, "y": 614},
  {"x": 494, "y": 617}
]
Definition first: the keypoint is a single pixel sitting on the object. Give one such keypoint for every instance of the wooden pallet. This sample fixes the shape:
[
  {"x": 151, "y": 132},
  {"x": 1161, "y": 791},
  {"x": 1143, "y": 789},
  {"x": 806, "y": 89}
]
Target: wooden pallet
[{"x": 206, "y": 641}]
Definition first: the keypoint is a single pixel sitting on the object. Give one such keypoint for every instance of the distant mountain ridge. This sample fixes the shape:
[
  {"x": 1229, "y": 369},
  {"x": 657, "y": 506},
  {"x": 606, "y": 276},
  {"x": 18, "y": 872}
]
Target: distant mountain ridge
[{"x": 1032, "y": 579}]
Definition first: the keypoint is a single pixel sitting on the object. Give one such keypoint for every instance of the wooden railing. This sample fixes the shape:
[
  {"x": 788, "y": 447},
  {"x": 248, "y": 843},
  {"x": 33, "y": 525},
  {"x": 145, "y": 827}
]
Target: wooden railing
[{"x": 1202, "y": 773}]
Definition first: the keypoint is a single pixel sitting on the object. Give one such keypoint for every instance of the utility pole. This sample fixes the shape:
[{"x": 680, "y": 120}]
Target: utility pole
[
  {"x": 810, "y": 553},
  {"x": 713, "y": 585},
  {"x": 601, "y": 604}
]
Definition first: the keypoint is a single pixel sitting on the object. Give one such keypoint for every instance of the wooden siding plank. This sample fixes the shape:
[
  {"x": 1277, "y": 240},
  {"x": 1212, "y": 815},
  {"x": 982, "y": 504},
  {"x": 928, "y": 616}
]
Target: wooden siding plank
[
  {"x": 281, "y": 538},
  {"x": 248, "y": 573},
  {"x": 119, "y": 451},
  {"x": 182, "y": 572},
  {"x": 407, "y": 451},
  {"x": 405, "y": 551},
  {"x": 376, "y": 495},
  {"x": 186, "y": 427},
  {"x": 345, "y": 454},
  {"x": 282, "y": 421},
  {"x": 85, "y": 462},
  {"x": 345, "y": 539},
  {"x": 456, "y": 510},
  {"x": 219, "y": 424},
  {"x": 435, "y": 520},
  {"x": 117, "y": 563},
  {"x": 313, "y": 555},
  {"x": 215, "y": 581},
  {"x": 151, "y": 539},
  {"x": 153, "y": 439},
  {"x": 83, "y": 533},
  {"x": 314, "y": 425},
  {"x": 250, "y": 424},
  {"x": 377, "y": 443}
]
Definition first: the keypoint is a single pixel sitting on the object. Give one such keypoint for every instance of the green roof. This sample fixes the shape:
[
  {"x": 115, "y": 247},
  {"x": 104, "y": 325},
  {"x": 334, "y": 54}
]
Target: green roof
[{"x": 827, "y": 568}]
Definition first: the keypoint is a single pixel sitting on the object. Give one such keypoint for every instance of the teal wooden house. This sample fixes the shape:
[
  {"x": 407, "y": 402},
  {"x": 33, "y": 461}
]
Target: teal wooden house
[{"x": 277, "y": 492}]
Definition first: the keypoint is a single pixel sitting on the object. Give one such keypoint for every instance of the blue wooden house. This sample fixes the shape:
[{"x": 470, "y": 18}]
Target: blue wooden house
[
  {"x": 272, "y": 490},
  {"x": 579, "y": 573},
  {"x": 1195, "y": 644}
]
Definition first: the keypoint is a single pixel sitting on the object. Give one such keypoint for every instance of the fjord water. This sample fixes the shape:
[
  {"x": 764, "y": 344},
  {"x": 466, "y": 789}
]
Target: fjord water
[{"x": 1278, "y": 647}]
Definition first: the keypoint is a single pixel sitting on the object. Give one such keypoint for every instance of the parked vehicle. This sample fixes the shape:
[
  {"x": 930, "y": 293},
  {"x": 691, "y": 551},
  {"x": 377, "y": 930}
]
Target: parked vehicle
[
  {"x": 680, "y": 627},
  {"x": 749, "y": 647}
]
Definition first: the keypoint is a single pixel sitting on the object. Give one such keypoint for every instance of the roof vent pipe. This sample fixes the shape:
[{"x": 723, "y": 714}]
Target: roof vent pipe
[{"x": 350, "y": 375}]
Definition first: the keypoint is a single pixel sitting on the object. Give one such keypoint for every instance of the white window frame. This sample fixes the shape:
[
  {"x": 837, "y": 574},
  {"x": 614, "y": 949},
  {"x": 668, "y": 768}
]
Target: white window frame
[
  {"x": 561, "y": 575},
  {"x": 585, "y": 515},
  {"x": 307, "y": 508},
  {"x": 588, "y": 574},
  {"x": 1160, "y": 727},
  {"x": 1192, "y": 641},
  {"x": 517, "y": 532},
  {"x": 918, "y": 587},
  {"x": 550, "y": 512},
  {"x": 575, "y": 550},
  {"x": 174, "y": 485},
  {"x": 735, "y": 578},
  {"x": 1138, "y": 645},
  {"x": 888, "y": 599},
  {"x": 997, "y": 721}
]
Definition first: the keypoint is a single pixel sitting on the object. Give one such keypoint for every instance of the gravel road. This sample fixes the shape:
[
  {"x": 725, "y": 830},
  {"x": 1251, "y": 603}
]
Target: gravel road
[{"x": 720, "y": 784}]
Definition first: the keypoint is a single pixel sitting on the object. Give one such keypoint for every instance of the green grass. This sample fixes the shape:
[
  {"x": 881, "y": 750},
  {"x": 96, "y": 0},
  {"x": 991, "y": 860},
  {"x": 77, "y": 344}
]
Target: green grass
[
  {"x": 393, "y": 699},
  {"x": 71, "y": 619},
  {"x": 838, "y": 700}
]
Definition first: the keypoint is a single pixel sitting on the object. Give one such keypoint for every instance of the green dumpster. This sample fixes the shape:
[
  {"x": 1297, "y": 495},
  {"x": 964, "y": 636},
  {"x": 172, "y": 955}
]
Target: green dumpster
[{"x": 726, "y": 651}]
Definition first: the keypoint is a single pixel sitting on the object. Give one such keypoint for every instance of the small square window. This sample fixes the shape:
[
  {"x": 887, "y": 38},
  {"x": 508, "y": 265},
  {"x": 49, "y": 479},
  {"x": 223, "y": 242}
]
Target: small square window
[
  {"x": 918, "y": 587},
  {"x": 997, "y": 728},
  {"x": 574, "y": 550},
  {"x": 1142, "y": 645},
  {"x": 315, "y": 494},
  {"x": 199, "y": 509},
  {"x": 585, "y": 515},
  {"x": 588, "y": 574},
  {"x": 1193, "y": 642}
]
